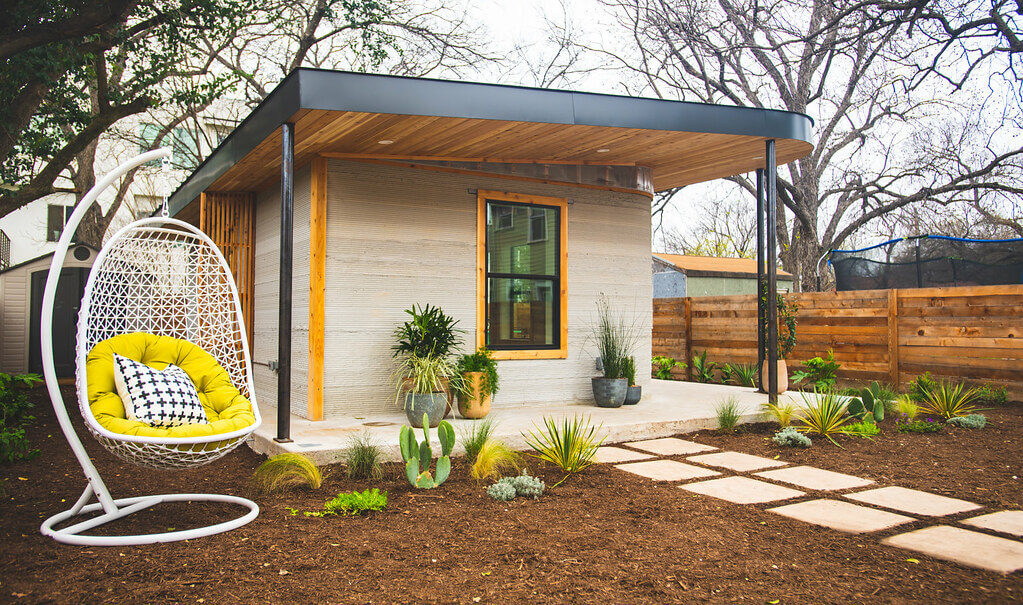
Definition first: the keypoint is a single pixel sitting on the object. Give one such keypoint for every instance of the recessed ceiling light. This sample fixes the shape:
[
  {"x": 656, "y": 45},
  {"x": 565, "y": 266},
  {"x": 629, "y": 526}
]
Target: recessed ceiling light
[
  {"x": 385, "y": 141},
  {"x": 603, "y": 150},
  {"x": 758, "y": 157}
]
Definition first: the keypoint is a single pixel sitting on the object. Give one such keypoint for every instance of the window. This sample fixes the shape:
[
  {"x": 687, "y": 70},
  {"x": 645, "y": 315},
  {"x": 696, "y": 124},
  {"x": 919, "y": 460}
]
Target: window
[
  {"x": 56, "y": 218},
  {"x": 521, "y": 256},
  {"x": 183, "y": 144}
]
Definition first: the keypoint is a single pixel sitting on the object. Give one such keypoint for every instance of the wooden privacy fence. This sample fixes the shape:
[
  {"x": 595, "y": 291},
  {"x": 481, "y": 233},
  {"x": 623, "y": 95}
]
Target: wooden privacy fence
[{"x": 967, "y": 333}]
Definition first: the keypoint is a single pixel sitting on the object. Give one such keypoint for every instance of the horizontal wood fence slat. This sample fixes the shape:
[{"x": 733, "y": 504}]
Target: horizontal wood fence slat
[{"x": 970, "y": 333}]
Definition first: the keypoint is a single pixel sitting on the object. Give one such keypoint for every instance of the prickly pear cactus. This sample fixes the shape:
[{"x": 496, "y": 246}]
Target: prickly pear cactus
[
  {"x": 866, "y": 407},
  {"x": 417, "y": 456}
]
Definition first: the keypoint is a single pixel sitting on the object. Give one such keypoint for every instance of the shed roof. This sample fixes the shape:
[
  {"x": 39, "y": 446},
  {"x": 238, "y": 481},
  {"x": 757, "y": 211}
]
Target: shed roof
[
  {"x": 349, "y": 114},
  {"x": 693, "y": 265}
]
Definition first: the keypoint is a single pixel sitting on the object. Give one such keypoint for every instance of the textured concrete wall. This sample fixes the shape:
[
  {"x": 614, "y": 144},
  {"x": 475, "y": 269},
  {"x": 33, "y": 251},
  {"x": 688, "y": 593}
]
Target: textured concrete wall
[{"x": 669, "y": 284}]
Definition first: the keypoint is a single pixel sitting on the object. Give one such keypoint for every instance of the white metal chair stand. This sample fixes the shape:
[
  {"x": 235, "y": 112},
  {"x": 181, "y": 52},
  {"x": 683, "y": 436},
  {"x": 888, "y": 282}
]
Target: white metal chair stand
[{"x": 165, "y": 277}]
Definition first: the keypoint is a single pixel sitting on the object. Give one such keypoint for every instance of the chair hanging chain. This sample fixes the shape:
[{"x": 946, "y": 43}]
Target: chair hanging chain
[{"x": 164, "y": 176}]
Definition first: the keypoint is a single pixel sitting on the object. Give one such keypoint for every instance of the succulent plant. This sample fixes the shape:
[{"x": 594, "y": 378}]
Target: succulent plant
[
  {"x": 501, "y": 491},
  {"x": 868, "y": 407},
  {"x": 970, "y": 421},
  {"x": 417, "y": 456},
  {"x": 790, "y": 437},
  {"x": 524, "y": 485}
]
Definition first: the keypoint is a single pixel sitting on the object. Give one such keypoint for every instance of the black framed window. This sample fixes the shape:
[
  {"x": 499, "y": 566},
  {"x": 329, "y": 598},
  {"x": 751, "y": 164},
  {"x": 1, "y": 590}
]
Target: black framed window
[{"x": 523, "y": 276}]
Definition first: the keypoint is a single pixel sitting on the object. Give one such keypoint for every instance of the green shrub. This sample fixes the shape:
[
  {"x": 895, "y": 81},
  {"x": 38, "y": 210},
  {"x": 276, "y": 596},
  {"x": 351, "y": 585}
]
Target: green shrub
[
  {"x": 865, "y": 429},
  {"x": 990, "y": 395},
  {"x": 287, "y": 470},
  {"x": 629, "y": 370},
  {"x": 362, "y": 458},
  {"x": 662, "y": 367},
  {"x": 970, "y": 421},
  {"x": 703, "y": 369},
  {"x": 569, "y": 445},
  {"x": 821, "y": 373},
  {"x": 728, "y": 414},
  {"x": 742, "y": 374},
  {"x": 921, "y": 386},
  {"x": 14, "y": 417},
  {"x": 905, "y": 425},
  {"x": 790, "y": 437},
  {"x": 354, "y": 503},
  {"x": 429, "y": 333},
  {"x": 480, "y": 361}
]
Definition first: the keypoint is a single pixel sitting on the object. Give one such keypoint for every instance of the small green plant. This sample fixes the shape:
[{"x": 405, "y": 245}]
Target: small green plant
[
  {"x": 728, "y": 413},
  {"x": 824, "y": 416},
  {"x": 820, "y": 372},
  {"x": 742, "y": 374},
  {"x": 786, "y": 322},
  {"x": 569, "y": 445},
  {"x": 991, "y": 395},
  {"x": 354, "y": 503},
  {"x": 905, "y": 425},
  {"x": 970, "y": 421},
  {"x": 362, "y": 458},
  {"x": 288, "y": 470},
  {"x": 418, "y": 456},
  {"x": 703, "y": 369},
  {"x": 921, "y": 386},
  {"x": 790, "y": 437},
  {"x": 904, "y": 405},
  {"x": 493, "y": 458},
  {"x": 416, "y": 374},
  {"x": 864, "y": 428},
  {"x": 950, "y": 400},
  {"x": 782, "y": 412},
  {"x": 867, "y": 407},
  {"x": 662, "y": 367},
  {"x": 14, "y": 417},
  {"x": 885, "y": 393},
  {"x": 475, "y": 437},
  {"x": 614, "y": 337},
  {"x": 480, "y": 361},
  {"x": 629, "y": 370},
  {"x": 429, "y": 333},
  {"x": 522, "y": 485}
]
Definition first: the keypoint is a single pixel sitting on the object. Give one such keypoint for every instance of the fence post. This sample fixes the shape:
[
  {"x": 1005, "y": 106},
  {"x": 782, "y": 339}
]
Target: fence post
[
  {"x": 893, "y": 337},
  {"x": 687, "y": 312}
]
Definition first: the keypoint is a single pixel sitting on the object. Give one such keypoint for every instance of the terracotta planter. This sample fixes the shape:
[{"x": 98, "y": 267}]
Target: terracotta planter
[
  {"x": 633, "y": 394},
  {"x": 609, "y": 392},
  {"x": 475, "y": 404},
  {"x": 783, "y": 376}
]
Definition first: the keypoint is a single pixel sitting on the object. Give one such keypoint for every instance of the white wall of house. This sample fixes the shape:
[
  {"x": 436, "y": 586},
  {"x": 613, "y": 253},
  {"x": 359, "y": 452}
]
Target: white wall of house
[{"x": 398, "y": 236}]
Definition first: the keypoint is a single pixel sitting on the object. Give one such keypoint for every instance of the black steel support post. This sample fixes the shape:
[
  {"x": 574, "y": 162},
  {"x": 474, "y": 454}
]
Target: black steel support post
[
  {"x": 284, "y": 302},
  {"x": 761, "y": 286},
  {"x": 772, "y": 271}
]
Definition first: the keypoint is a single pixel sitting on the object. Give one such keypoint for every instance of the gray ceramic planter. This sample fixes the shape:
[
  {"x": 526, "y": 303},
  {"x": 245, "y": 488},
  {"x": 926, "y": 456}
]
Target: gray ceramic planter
[
  {"x": 609, "y": 392},
  {"x": 433, "y": 404},
  {"x": 633, "y": 395}
]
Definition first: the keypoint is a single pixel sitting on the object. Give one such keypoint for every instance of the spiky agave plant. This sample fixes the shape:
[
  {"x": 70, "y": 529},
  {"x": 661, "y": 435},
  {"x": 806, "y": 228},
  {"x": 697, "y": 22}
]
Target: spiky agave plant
[
  {"x": 743, "y": 374},
  {"x": 287, "y": 470},
  {"x": 824, "y": 416},
  {"x": 569, "y": 445},
  {"x": 950, "y": 400}
]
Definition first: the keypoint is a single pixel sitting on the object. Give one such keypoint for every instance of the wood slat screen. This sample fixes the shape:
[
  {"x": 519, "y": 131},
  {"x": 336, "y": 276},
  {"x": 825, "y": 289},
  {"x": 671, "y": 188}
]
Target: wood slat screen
[
  {"x": 968, "y": 333},
  {"x": 230, "y": 221}
]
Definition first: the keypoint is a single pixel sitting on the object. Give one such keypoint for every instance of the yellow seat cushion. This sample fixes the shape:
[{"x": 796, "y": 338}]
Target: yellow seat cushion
[{"x": 226, "y": 408}]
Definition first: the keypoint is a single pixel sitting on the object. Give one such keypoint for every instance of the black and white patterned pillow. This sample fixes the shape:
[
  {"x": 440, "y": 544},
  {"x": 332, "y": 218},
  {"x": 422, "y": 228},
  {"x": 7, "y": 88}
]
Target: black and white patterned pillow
[{"x": 159, "y": 399}]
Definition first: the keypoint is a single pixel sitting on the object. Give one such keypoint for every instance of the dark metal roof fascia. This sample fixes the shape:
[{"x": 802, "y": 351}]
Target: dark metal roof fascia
[{"x": 307, "y": 88}]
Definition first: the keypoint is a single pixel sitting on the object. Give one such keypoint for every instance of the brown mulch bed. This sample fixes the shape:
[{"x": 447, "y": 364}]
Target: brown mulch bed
[{"x": 603, "y": 536}]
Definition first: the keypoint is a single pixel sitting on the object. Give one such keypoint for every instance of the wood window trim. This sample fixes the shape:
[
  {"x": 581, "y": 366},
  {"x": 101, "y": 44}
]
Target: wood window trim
[{"x": 481, "y": 272}]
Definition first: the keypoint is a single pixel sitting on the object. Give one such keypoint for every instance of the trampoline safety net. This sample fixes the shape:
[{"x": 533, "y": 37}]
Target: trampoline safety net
[{"x": 929, "y": 261}]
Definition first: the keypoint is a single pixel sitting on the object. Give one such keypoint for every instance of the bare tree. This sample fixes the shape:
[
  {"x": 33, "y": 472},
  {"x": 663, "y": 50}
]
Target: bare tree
[{"x": 725, "y": 228}]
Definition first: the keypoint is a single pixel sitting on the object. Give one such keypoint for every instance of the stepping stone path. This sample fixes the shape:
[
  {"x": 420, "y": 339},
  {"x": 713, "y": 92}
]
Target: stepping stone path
[
  {"x": 1006, "y": 521},
  {"x": 670, "y": 446},
  {"x": 737, "y": 462},
  {"x": 814, "y": 478},
  {"x": 611, "y": 455},
  {"x": 842, "y": 516},
  {"x": 742, "y": 490},
  {"x": 955, "y": 544},
  {"x": 666, "y": 470},
  {"x": 963, "y": 546},
  {"x": 913, "y": 501}
]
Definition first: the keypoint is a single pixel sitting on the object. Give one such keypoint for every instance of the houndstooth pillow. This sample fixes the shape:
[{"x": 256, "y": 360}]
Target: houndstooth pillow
[{"x": 159, "y": 399}]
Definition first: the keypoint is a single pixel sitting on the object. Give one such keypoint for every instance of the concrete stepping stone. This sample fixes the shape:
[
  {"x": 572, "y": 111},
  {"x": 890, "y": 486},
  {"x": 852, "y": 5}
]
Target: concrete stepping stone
[
  {"x": 610, "y": 455},
  {"x": 970, "y": 548},
  {"x": 735, "y": 461},
  {"x": 814, "y": 478},
  {"x": 742, "y": 490},
  {"x": 913, "y": 501},
  {"x": 841, "y": 516},
  {"x": 1006, "y": 521},
  {"x": 666, "y": 470},
  {"x": 671, "y": 446}
]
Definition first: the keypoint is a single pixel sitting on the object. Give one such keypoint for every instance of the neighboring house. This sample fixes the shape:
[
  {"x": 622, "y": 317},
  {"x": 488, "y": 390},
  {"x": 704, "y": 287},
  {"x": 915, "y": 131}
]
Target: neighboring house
[
  {"x": 21, "y": 297},
  {"x": 679, "y": 275},
  {"x": 511, "y": 208}
]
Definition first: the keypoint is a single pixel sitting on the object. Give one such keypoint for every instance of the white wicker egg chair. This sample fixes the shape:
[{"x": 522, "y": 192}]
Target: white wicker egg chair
[{"x": 165, "y": 277}]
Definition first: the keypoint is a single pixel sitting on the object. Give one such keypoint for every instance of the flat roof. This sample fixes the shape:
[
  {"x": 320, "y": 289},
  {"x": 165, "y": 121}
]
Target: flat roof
[
  {"x": 714, "y": 264},
  {"x": 347, "y": 114}
]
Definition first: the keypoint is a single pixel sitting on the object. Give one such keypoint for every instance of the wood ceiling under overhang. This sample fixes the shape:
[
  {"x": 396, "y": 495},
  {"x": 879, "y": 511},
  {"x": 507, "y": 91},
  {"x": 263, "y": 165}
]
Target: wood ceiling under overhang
[{"x": 347, "y": 115}]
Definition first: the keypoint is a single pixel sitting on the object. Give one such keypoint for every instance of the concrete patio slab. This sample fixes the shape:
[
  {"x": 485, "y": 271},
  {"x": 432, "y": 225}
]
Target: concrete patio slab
[
  {"x": 1006, "y": 522},
  {"x": 735, "y": 461},
  {"x": 742, "y": 490},
  {"x": 668, "y": 408},
  {"x": 841, "y": 516},
  {"x": 611, "y": 455},
  {"x": 670, "y": 446},
  {"x": 666, "y": 470},
  {"x": 814, "y": 478},
  {"x": 913, "y": 501},
  {"x": 963, "y": 546}
]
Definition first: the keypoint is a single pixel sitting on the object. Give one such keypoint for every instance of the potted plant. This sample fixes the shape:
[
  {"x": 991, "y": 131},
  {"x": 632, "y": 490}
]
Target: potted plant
[
  {"x": 635, "y": 392},
  {"x": 478, "y": 383},
  {"x": 429, "y": 333},
  {"x": 614, "y": 342},
  {"x": 786, "y": 341},
  {"x": 422, "y": 387}
]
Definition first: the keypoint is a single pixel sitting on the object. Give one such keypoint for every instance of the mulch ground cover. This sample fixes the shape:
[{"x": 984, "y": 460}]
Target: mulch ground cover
[{"x": 603, "y": 536}]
